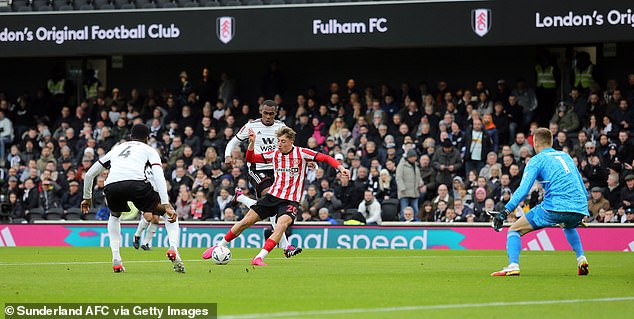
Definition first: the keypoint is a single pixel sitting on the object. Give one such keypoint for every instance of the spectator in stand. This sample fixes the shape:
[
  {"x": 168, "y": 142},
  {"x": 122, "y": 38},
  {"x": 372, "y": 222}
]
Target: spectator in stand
[
  {"x": 324, "y": 216},
  {"x": 477, "y": 145},
  {"x": 613, "y": 191},
  {"x": 370, "y": 209},
  {"x": 50, "y": 192},
  {"x": 566, "y": 118},
  {"x": 447, "y": 163},
  {"x": 408, "y": 181},
  {"x": 6, "y": 135},
  {"x": 408, "y": 215},
  {"x": 387, "y": 186},
  {"x": 627, "y": 192},
  {"x": 597, "y": 202},
  {"x": 596, "y": 174},
  {"x": 71, "y": 198},
  {"x": 183, "y": 203},
  {"x": 329, "y": 201}
]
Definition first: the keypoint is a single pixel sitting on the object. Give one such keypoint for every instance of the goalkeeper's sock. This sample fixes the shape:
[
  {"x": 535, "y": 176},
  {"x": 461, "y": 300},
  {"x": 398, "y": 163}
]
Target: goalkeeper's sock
[
  {"x": 229, "y": 236},
  {"x": 142, "y": 226},
  {"x": 573, "y": 239},
  {"x": 248, "y": 202},
  {"x": 149, "y": 234},
  {"x": 513, "y": 246},
  {"x": 173, "y": 234},
  {"x": 114, "y": 232},
  {"x": 268, "y": 246}
]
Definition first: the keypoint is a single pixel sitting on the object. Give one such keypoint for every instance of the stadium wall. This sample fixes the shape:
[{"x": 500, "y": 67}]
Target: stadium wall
[{"x": 455, "y": 237}]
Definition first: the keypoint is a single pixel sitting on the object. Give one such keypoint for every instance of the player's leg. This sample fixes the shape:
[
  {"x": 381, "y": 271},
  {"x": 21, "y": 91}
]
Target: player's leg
[
  {"x": 151, "y": 230},
  {"x": 173, "y": 236},
  {"x": 283, "y": 222},
  {"x": 143, "y": 224},
  {"x": 570, "y": 223},
  {"x": 249, "y": 219},
  {"x": 514, "y": 244},
  {"x": 114, "y": 233}
]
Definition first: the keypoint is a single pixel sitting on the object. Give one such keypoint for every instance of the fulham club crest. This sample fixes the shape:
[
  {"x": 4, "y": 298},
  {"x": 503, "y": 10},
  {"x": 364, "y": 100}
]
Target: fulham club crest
[
  {"x": 481, "y": 21},
  {"x": 225, "y": 29}
]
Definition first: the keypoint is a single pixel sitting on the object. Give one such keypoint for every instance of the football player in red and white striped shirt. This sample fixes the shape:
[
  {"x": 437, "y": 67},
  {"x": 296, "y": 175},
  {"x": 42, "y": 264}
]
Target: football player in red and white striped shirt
[{"x": 289, "y": 163}]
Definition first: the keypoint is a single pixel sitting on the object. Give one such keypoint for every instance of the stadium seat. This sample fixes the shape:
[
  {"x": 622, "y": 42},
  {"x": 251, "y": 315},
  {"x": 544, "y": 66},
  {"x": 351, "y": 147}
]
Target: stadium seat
[
  {"x": 348, "y": 213},
  {"x": 91, "y": 215},
  {"x": 320, "y": 1},
  {"x": 254, "y": 2},
  {"x": 25, "y": 9},
  {"x": 233, "y": 3},
  {"x": 127, "y": 6},
  {"x": 65, "y": 7},
  {"x": 389, "y": 210},
  {"x": 107, "y": 6},
  {"x": 169, "y": 5},
  {"x": 55, "y": 213},
  {"x": 190, "y": 4},
  {"x": 44, "y": 8},
  {"x": 298, "y": 1},
  {"x": 5, "y": 213},
  {"x": 73, "y": 214},
  {"x": 209, "y": 3},
  {"x": 148, "y": 5},
  {"x": 277, "y": 2},
  {"x": 36, "y": 214},
  {"x": 5, "y": 9},
  {"x": 99, "y": 3},
  {"x": 86, "y": 7}
]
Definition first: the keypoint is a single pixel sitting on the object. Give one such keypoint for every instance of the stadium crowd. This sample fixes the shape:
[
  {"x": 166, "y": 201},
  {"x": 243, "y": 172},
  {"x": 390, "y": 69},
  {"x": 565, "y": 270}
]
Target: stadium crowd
[{"x": 435, "y": 154}]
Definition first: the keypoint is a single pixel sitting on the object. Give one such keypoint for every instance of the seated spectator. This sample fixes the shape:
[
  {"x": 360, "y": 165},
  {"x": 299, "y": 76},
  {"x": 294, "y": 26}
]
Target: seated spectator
[
  {"x": 221, "y": 201},
  {"x": 183, "y": 203},
  {"x": 370, "y": 209},
  {"x": 16, "y": 209},
  {"x": 310, "y": 201},
  {"x": 228, "y": 215},
  {"x": 596, "y": 202},
  {"x": 201, "y": 209},
  {"x": 450, "y": 216},
  {"x": 72, "y": 198},
  {"x": 408, "y": 215},
  {"x": 629, "y": 216},
  {"x": 329, "y": 201},
  {"x": 461, "y": 210},
  {"x": 324, "y": 216},
  {"x": 387, "y": 186},
  {"x": 566, "y": 118},
  {"x": 439, "y": 212},
  {"x": 307, "y": 217},
  {"x": 426, "y": 214}
]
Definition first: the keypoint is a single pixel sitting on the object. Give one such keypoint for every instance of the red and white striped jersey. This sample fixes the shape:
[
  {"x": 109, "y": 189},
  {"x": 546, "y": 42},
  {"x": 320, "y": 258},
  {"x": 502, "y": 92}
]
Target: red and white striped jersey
[{"x": 290, "y": 172}]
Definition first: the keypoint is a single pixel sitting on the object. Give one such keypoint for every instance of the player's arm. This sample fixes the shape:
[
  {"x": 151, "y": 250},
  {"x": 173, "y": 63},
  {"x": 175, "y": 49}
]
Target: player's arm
[
  {"x": 250, "y": 156},
  {"x": 161, "y": 186},
  {"x": 240, "y": 137},
  {"x": 528, "y": 179},
  {"x": 324, "y": 158},
  {"x": 94, "y": 171}
]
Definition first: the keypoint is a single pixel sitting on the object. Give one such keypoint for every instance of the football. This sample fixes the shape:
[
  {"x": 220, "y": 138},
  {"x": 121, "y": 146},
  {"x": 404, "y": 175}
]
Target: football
[{"x": 221, "y": 255}]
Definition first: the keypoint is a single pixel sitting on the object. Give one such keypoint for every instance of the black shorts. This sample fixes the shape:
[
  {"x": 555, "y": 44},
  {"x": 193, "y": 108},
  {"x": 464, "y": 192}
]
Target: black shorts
[
  {"x": 270, "y": 205},
  {"x": 261, "y": 179},
  {"x": 141, "y": 193}
]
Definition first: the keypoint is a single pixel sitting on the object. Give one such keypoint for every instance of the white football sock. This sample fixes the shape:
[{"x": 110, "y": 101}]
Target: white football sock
[
  {"x": 149, "y": 234},
  {"x": 262, "y": 254},
  {"x": 247, "y": 201},
  {"x": 114, "y": 232},
  {"x": 142, "y": 226},
  {"x": 222, "y": 242},
  {"x": 173, "y": 234}
]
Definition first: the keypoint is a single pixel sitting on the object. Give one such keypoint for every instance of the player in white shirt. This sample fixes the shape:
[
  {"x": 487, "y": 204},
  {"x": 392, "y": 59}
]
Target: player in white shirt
[
  {"x": 149, "y": 221},
  {"x": 127, "y": 181},
  {"x": 290, "y": 163},
  {"x": 261, "y": 175}
]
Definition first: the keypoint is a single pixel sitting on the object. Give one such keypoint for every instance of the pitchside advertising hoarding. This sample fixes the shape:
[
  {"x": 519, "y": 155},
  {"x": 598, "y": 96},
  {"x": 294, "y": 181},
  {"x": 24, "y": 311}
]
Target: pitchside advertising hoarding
[
  {"x": 339, "y": 237},
  {"x": 405, "y": 24}
]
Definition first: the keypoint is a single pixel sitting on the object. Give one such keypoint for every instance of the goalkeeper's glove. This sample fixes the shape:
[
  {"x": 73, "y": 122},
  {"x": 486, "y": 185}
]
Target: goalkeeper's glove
[{"x": 498, "y": 219}]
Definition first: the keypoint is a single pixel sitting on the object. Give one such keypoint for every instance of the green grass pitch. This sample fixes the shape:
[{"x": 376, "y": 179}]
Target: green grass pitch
[{"x": 331, "y": 283}]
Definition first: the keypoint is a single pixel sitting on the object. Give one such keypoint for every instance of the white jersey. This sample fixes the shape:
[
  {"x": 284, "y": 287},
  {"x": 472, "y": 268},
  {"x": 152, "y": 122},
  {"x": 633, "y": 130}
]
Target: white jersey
[
  {"x": 265, "y": 139},
  {"x": 128, "y": 161}
]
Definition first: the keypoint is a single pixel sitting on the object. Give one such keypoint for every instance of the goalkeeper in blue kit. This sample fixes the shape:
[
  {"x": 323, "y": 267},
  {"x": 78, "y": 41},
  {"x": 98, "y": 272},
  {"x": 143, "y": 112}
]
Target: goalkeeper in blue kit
[{"x": 565, "y": 202}]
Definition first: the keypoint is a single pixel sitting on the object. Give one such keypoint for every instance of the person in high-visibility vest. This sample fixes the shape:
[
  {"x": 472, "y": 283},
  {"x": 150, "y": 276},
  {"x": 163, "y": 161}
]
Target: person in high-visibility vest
[
  {"x": 547, "y": 77},
  {"x": 584, "y": 73}
]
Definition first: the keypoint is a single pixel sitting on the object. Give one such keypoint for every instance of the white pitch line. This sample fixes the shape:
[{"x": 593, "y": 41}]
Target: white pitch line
[
  {"x": 296, "y": 314},
  {"x": 239, "y": 259}
]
